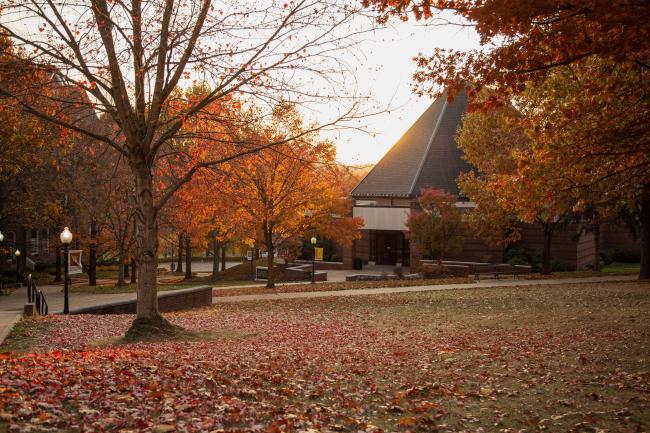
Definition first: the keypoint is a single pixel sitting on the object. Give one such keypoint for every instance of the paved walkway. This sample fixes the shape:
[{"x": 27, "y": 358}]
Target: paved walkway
[
  {"x": 11, "y": 306},
  {"x": 388, "y": 290}
]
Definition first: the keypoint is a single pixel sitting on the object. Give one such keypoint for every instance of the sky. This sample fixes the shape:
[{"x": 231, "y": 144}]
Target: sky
[
  {"x": 384, "y": 68},
  {"x": 387, "y": 73}
]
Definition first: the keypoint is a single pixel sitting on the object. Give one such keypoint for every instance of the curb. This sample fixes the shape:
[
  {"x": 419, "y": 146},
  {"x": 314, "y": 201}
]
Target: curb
[{"x": 6, "y": 329}]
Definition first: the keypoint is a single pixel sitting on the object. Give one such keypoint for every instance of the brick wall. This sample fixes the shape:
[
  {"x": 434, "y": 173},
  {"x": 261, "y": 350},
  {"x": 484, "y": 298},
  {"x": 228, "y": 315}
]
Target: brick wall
[
  {"x": 173, "y": 300},
  {"x": 564, "y": 246},
  {"x": 617, "y": 237}
]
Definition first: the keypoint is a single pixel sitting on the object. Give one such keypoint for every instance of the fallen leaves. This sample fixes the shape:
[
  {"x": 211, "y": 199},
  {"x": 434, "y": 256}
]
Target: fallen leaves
[{"x": 368, "y": 364}]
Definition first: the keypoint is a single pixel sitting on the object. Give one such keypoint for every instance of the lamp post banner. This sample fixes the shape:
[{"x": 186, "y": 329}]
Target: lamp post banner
[
  {"x": 74, "y": 262},
  {"x": 318, "y": 254}
]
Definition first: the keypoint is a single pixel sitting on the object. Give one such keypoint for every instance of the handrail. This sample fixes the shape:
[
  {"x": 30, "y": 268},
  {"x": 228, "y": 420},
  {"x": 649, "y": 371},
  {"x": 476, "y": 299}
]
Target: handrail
[{"x": 37, "y": 296}]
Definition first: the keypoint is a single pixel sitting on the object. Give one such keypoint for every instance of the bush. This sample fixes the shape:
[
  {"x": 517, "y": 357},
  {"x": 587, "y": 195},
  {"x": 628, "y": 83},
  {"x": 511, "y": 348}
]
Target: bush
[
  {"x": 433, "y": 272},
  {"x": 560, "y": 266},
  {"x": 621, "y": 256},
  {"x": 627, "y": 256},
  {"x": 517, "y": 255},
  {"x": 357, "y": 263},
  {"x": 607, "y": 257}
]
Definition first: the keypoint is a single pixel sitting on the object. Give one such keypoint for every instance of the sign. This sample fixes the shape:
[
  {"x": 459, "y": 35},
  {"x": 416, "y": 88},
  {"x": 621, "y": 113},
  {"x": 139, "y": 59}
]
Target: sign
[
  {"x": 261, "y": 273},
  {"x": 318, "y": 254},
  {"x": 74, "y": 262}
]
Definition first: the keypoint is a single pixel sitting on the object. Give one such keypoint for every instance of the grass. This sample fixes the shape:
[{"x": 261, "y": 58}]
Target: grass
[
  {"x": 618, "y": 268},
  {"x": 128, "y": 288},
  {"x": 343, "y": 285},
  {"x": 24, "y": 334},
  {"x": 131, "y": 288},
  {"x": 571, "y": 357}
]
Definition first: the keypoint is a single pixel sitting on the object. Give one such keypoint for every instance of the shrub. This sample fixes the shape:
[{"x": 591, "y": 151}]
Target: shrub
[
  {"x": 619, "y": 255},
  {"x": 607, "y": 256},
  {"x": 627, "y": 256},
  {"x": 560, "y": 266},
  {"x": 357, "y": 263},
  {"x": 433, "y": 272}
]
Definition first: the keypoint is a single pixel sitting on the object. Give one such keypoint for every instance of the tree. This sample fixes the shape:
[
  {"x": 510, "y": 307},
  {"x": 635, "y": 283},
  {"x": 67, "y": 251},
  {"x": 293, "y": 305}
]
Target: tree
[
  {"x": 34, "y": 155},
  {"x": 438, "y": 227},
  {"x": 289, "y": 190},
  {"x": 131, "y": 57},
  {"x": 534, "y": 43},
  {"x": 523, "y": 41},
  {"x": 496, "y": 143},
  {"x": 590, "y": 124}
]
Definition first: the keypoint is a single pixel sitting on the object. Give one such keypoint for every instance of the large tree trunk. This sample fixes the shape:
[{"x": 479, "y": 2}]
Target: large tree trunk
[
  {"x": 92, "y": 253},
  {"x": 215, "y": 260},
  {"x": 188, "y": 258},
  {"x": 644, "y": 272},
  {"x": 146, "y": 235},
  {"x": 120, "y": 272},
  {"x": 134, "y": 269},
  {"x": 546, "y": 253},
  {"x": 57, "y": 274},
  {"x": 223, "y": 257},
  {"x": 270, "y": 280},
  {"x": 179, "y": 265}
]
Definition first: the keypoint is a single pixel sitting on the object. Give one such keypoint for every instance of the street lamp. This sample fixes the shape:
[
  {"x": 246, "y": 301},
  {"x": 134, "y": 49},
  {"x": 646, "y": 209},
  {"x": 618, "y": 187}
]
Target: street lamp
[
  {"x": 17, "y": 253},
  {"x": 251, "y": 244},
  {"x": 313, "y": 260},
  {"x": 66, "y": 239}
]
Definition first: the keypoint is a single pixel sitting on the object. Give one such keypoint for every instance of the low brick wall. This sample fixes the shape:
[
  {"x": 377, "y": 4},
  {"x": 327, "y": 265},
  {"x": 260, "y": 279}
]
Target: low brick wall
[
  {"x": 172, "y": 300},
  {"x": 325, "y": 265}
]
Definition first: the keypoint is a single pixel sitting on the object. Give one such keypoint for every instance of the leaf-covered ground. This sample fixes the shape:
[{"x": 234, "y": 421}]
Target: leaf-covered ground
[
  {"x": 556, "y": 358},
  {"x": 341, "y": 285}
]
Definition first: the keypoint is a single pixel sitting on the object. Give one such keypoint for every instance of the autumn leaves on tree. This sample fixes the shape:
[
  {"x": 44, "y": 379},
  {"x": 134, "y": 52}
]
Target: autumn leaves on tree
[
  {"x": 131, "y": 58},
  {"x": 578, "y": 75}
]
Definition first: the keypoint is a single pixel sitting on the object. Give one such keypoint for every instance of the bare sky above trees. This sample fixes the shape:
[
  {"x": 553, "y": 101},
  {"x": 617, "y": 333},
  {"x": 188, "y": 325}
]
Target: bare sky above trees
[
  {"x": 383, "y": 66},
  {"x": 386, "y": 75}
]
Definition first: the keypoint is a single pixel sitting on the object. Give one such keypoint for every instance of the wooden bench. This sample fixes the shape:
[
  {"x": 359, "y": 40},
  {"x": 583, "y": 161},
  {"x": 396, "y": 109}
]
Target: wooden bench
[{"x": 478, "y": 269}]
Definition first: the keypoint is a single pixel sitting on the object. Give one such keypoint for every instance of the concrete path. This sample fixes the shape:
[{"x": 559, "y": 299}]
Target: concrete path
[
  {"x": 11, "y": 306},
  {"x": 388, "y": 290}
]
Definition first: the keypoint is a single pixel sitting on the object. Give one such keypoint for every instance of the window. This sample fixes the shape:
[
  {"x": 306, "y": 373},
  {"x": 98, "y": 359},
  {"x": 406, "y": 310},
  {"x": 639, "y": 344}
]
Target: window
[{"x": 34, "y": 243}]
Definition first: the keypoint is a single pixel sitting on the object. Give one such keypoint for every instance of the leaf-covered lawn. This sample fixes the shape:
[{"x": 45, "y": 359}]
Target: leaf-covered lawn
[
  {"x": 341, "y": 285},
  {"x": 569, "y": 358}
]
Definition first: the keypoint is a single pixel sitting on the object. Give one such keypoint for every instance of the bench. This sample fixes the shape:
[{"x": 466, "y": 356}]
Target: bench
[{"x": 477, "y": 269}]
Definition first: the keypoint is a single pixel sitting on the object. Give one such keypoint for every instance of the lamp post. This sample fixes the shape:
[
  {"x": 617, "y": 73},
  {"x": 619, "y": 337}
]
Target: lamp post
[
  {"x": 66, "y": 239},
  {"x": 18, "y": 283},
  {"x": 313, "y": 260},
  {"x": 252, "y": 245}
]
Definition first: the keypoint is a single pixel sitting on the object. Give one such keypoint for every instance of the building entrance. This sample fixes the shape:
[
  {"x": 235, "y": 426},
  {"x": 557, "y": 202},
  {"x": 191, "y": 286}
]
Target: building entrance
[{"x": 388, "y": 247}]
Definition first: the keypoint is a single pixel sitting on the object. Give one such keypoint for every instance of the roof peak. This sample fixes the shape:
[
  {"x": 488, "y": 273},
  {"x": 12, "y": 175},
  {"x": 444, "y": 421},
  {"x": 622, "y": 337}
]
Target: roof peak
[{"x": 425, "y": 156}]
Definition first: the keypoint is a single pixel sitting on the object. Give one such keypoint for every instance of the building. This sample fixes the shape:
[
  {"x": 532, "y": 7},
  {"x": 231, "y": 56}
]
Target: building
[{"x": 427, "y": 156}]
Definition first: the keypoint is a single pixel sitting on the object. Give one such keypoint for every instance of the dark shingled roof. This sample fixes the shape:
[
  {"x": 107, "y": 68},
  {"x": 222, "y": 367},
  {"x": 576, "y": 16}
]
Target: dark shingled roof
[{"x": 426, "y": 156}]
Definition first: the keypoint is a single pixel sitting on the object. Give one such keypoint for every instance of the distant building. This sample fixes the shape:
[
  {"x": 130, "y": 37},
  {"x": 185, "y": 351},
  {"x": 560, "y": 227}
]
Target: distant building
[{"x": 427, "y": 156}]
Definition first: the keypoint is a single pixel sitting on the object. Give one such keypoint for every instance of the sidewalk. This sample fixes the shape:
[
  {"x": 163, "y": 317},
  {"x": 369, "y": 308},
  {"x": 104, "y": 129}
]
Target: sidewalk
[
  {"x": 11, "y": 307},
  {"x": 388, "y": 290}
]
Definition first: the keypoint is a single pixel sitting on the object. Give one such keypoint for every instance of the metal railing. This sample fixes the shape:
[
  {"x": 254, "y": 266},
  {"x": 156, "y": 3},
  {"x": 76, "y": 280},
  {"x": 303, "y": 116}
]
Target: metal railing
[{"x": 36, "y": 296}]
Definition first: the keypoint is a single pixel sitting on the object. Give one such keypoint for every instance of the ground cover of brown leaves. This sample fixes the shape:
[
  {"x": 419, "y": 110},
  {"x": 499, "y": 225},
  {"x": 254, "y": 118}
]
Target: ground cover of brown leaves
[
  {"x": 555, "y": 358},
  {"x": 342, "y": 285}
]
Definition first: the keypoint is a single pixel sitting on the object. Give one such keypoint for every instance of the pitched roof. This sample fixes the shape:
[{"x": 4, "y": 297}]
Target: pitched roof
[{"x": 426, "y": 156}]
